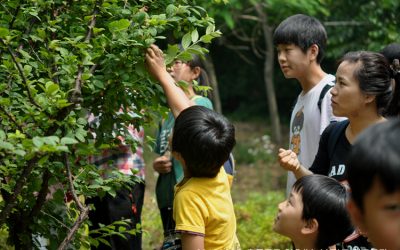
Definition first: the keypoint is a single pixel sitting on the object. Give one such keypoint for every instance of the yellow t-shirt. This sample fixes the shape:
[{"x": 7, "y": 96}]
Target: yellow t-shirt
[{"x": 204, "y": 206}]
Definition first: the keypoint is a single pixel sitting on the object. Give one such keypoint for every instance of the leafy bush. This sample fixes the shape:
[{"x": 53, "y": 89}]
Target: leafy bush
[
  {"x": 255, "y": 149},
  {"x": 59, "y": 61},
  {"x": 255, "y": 218}
]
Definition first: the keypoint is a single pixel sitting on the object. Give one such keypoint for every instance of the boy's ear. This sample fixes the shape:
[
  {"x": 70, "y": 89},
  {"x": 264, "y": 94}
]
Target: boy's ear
[
  {"x": 314, "y": 51},
  {"x": 355, "y": 214},
  {"x": 310, "y": 227}
]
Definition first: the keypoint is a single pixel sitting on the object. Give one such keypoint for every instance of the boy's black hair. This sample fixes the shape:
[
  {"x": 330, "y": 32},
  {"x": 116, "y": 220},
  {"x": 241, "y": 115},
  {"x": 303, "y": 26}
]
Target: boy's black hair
[
  {"x": 324, "y": 199},
  {"x": 302, "y": 31},
  {"x": 204, "y": 139},
  {"x": 375, "y": 154},
  {"x": 373, "y": 75}
]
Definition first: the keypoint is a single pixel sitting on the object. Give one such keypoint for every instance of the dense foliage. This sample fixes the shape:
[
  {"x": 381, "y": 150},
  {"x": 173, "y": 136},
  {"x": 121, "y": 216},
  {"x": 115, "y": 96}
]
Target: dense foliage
[{"x": 60, "y": 61}]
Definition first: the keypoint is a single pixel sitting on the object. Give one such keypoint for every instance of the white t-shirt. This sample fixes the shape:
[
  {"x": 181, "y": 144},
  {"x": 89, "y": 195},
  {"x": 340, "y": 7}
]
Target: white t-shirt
[{"x": 307, "y": 124}]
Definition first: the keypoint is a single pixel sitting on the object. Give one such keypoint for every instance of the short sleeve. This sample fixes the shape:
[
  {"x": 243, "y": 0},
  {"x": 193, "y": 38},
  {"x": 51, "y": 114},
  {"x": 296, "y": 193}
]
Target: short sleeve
[
  {"x": 190, "y": 212},
  {"x": 203, "y": 101},
  {"x": 321, "y": 162}
]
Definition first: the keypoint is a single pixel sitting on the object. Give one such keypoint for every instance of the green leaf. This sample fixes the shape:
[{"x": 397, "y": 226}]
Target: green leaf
[
  {"x": 37, "y": 141},
  {"x": 186, "y": 40},
  {"x": 195, "y": 36},
  {"x": 20, "y": 152},
  {"x": 4, "y": 32},
  {"x": 6, "y": 145},
  {"x": 120, "y": 25},
  {"x": 105, "y": 242},
  {"x": 140, "y": 17},
  {"x": 51, "y": 140},
  {"x": 210, "y": 28},
  {"x": 27, "y": 69},
  {"x": 68, "y": 140},
  {"x": 43, "y": 160},
  {"x": 51, "y": 88},
  {"x": 185, "y": 56},
  {"x": 170, "y": 10}
]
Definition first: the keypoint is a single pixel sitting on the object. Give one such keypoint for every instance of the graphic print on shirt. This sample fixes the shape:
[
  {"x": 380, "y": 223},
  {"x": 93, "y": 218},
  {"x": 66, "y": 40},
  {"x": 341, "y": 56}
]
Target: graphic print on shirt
[{"x": 297, "y": 126}]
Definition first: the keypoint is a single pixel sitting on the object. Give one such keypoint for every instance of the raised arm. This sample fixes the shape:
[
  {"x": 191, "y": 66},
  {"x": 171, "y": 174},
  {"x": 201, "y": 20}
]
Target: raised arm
[
  {"x": 176, "y": 97},
  {"x": 289, "y": 161}
]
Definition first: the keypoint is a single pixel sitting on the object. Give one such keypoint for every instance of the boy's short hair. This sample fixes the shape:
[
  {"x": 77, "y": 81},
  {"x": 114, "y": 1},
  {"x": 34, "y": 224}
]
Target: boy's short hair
[
  {"x": 324, "y": 199},
  {"x": 204, "y": 140},
  {"x": 302, "y": 31},
  {"x": 375, "y": 154}
]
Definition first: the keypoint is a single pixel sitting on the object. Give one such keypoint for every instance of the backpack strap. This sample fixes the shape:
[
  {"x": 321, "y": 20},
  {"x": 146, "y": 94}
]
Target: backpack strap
[
  {"x": 324, "y": 90},
  {"x": 229, "y": 165},
  {"x": 322, "y": 95},
  {"x": 337, "y": 130}
]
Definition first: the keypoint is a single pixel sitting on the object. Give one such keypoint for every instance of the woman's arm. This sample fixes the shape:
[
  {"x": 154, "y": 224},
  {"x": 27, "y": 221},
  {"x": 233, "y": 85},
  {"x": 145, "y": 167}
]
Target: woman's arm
[
  {"x": 289, "y": 161},
  {"x": 177, "y": 99},
  {"x": 192, "y": 242}
]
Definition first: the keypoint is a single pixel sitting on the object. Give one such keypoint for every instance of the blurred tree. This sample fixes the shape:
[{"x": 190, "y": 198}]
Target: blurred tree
[{"x": 248, "y": 27}]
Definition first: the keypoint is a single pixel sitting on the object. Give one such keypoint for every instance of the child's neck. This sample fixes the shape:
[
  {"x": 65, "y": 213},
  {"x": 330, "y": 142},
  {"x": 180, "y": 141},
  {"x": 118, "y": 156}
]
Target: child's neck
[
  {"x": 186, "y": 173},
  {"x": 311, "y": 77},
  {"x": 304, "y": 245}
]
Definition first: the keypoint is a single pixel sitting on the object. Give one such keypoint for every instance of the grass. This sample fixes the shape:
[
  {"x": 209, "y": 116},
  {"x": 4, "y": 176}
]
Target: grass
[{"x": 255, "y": 218}]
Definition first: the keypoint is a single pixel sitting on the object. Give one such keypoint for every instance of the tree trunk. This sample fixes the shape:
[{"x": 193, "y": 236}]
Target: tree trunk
[
  {"x": 269, "y": 84},
  {"x": 269, "y": 76},
  {"x": 209, "y": 66}
]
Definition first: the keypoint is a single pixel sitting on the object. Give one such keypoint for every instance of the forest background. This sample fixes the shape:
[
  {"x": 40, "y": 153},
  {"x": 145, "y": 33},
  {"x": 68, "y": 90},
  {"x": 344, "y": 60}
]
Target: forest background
[{"x": 60, "y": 58}]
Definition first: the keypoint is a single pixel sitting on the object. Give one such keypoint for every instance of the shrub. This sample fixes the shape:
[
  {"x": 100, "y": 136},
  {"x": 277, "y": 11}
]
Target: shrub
[{"x": 255, "y": 218}]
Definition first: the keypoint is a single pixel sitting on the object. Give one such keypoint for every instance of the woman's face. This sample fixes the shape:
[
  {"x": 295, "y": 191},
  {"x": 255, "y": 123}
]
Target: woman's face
[
  {"x": 181, "y": 71},
  {"x": 347, "y": 98}
]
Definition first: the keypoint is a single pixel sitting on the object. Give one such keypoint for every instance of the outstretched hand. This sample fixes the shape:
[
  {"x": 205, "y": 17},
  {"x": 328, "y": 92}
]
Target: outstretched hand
[
  {"x": 288, "y": 160},
  {"x": 155, "y": 61}
]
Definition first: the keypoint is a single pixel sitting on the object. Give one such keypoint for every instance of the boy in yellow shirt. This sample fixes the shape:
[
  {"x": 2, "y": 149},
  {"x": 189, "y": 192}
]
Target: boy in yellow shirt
[
  {"x": 202, "y": 141},
  {"x": 203, "y": 208}
]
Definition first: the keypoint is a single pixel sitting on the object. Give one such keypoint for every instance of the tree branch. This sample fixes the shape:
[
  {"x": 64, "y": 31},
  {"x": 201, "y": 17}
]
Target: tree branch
[
  {"x": 82, "y": 217},
  {"x": 84, "y": 211},
  {"x": 249, "y": 17},
  {"x": 21, "y": 73},
  {"x": 12, "y": 118},
  {"x": 77, "y": 92},
  {"x": 41, "y": 198},
  {"x": 17, "y": 189},
  {"x": 71, "y": 184},
  {"x": 344, "y": 23}
]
